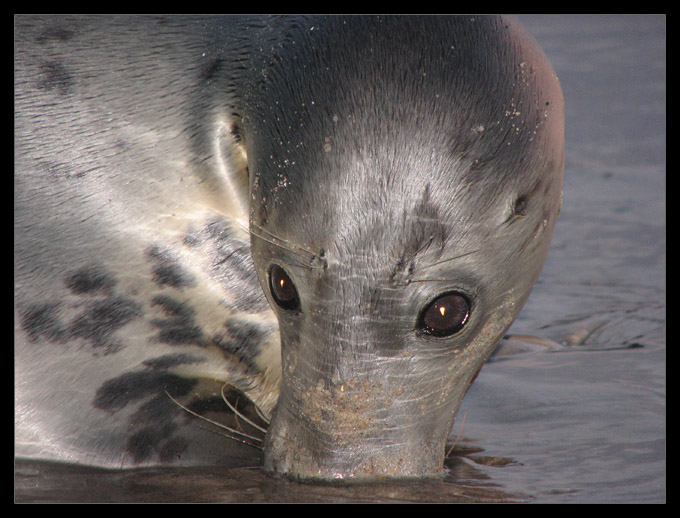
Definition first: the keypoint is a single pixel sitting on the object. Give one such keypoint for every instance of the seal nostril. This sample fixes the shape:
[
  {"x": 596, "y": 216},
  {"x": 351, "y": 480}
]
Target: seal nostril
[
  {"x": 282, "y": 288},
  {"x": 445, "y": 315}
]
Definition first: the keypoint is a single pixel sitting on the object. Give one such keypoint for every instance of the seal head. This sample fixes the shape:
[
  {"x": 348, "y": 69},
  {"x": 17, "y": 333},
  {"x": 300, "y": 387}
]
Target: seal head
[
  {"x": 401, "y": 177},
  {"x": 405, "y": 179}
]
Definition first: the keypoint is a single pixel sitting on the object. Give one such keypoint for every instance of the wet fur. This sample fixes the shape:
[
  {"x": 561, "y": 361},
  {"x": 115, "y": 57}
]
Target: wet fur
[{"x": 154, "y": 153}]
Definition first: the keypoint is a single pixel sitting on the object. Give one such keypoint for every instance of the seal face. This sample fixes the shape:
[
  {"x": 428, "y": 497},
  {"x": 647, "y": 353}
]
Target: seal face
[
  {"x": 422, "y": 161},
  {"x": 401, "y": 177}
]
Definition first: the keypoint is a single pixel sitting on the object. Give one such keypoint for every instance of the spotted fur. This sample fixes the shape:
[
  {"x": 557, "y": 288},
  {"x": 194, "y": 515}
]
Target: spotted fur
[{"x": 134, "y": 280}]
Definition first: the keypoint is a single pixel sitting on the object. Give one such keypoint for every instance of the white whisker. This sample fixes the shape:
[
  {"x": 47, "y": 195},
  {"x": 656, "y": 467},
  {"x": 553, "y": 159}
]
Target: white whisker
[
  {"x": 219, "y": 425},
  {"x": 239, "y": 414}
]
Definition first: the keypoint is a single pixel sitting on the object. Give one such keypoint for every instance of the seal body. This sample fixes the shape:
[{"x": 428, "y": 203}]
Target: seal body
[
  {"x": 133, "y": 274},
  {"x": 400, "y": 178}
]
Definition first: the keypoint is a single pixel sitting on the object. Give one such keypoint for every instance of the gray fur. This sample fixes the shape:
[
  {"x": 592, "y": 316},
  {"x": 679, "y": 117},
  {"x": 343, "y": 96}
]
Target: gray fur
[{"x": 380, "y": 161}]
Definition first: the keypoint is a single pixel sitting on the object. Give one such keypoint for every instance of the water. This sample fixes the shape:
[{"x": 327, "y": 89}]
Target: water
[
  {"x": 582, "y": 420},
  {"x": 586, "y": 423}
]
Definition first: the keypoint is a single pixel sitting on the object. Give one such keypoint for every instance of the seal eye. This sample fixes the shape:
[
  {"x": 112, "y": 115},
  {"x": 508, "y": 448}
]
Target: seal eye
[
  {"x": 445, "y": 315},
  {"x": 282, "y": 288}
]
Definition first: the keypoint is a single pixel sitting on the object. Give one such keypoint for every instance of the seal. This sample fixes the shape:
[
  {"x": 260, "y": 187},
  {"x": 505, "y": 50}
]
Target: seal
[{"x": 339, "y": 217}]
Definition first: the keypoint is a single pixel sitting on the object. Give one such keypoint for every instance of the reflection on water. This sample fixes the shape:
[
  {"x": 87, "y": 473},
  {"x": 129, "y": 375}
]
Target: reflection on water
[{"x": 52, "y": 482}]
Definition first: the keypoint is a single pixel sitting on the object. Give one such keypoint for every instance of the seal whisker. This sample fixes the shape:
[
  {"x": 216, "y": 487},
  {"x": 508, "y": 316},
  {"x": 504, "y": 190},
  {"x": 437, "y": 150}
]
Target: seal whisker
[
  {"x": 447, "y": 260},
  {"x": 242, "y": 441},
  {"x": 462, "y": 424},
  {"x": 282, "y": 243},
  {"x": 261, "y": 415},
  {"x": 219, "y": 425},
  {"x": 240, "y": 225},
  {"x": 239, "y": 414},
  {"x": 279, "y": 242},
  {"x": 421, "y": 280},
  {"x": 425, "y": 245}
]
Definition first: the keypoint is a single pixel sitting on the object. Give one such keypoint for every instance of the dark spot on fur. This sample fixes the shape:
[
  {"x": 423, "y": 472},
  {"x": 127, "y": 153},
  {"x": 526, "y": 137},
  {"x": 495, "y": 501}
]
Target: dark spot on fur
[
  {"x": 173, "y": 307},
  {"x": 236, "y": 132},
  {"x": 59, "y": 170},
  {"x": 102, "y": 318},
  {"x": 173, "y": 449},
  {"x": 242, "y": 339},
  {"x": 210, "y": 69},
  {"x": 167, "y": 271},
  {"x": 55, "y": 76},
  {"x": 231, "y": 265},
  {"x": 219, "y": 231},
  {"x": 54, "y": 34},
  {"x": 89, "y": 279},
  {"x": 180, "y": 327},
  {"x": 154, "y": 439},
  {"x": 172, "y": 275},
  {"x": 118, "y": 392},
  {"x": 172, "y": 360},
  {"x": 178, "y": 332},
  {"x": 423, "y": 229},
  {"x": 154, "y": 421},
  {"x": 192, "y": 239},
  {"x": 159, "y": 411},
  {"x": 41, "y": 320},
  {"x": 140, "y": 445}
]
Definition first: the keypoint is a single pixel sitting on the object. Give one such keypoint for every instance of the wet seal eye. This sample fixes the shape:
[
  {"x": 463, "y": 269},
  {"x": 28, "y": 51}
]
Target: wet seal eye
[
  {"x": 282, "y": 288},
  {"x": 445, "y": 315}
]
